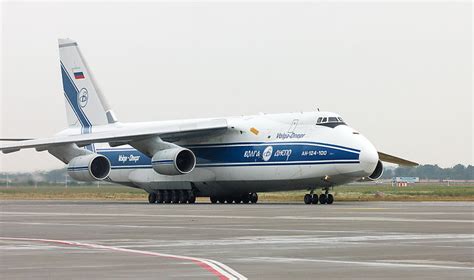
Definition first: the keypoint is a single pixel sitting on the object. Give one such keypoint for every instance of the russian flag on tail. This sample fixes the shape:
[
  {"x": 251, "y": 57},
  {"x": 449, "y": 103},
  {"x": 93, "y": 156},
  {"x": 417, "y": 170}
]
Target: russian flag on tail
[{"x": 78, "y": 74}]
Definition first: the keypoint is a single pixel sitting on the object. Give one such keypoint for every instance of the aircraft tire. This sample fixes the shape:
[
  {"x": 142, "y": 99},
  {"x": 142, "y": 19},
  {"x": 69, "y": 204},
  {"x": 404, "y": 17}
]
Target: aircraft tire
[
  {"x": 213, "y": 199},
  {"x": 307, "y": 199},
  {"x": 167, "y": 196},
  {"x": 151, "y": 198},
  {"x": 314, "y": 199},
  {"x": 183, "y": 197},
  {"x": 159, "y": 197},
  {"x": 191, "y": 198},
  {"x": 330, "y": 199},
  {"x": 322, "y": 199},
  {"x": 253, "y": 198},
  {"x": 174, "y": 196}
]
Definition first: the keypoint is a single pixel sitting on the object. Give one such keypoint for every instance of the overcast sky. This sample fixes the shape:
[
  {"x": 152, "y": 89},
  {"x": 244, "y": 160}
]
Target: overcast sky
[{"x": 400, "y": 73}]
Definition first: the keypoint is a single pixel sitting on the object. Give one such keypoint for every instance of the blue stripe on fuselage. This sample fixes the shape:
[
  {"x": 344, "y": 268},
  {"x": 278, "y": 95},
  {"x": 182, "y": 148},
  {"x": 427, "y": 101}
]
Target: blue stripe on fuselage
[
  {"x": 242, "y": 154},
  {"x": 272, "y": 143}
]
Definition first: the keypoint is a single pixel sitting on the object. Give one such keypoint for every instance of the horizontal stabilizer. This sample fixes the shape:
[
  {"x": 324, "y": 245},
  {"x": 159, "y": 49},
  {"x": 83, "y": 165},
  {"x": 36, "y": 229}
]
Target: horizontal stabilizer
[{"x": 396, "y": 160}]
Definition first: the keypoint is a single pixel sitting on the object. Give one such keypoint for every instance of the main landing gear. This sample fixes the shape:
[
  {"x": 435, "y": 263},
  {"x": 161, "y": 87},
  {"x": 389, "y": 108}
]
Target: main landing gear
[
  {"x": 172, "y": 196},
  {"x": 246, "y": 199},
  {"x": 324, "y": 198}
]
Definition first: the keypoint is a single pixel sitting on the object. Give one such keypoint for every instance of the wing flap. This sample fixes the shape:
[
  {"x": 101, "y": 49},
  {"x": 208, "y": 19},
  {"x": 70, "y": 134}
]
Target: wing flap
[
  {"x": 119, "y": 135},
  {"x": 393, "y": 159}
]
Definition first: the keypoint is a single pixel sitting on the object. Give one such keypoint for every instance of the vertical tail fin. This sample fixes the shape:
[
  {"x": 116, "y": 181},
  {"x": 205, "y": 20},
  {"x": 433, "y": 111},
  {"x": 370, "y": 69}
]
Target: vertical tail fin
[{"x": 85, "y": 104}]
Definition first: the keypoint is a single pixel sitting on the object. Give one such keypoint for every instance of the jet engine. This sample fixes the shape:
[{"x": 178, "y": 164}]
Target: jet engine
[
  {"x": 377, "y": 172},
  {"x": 90, "y": 167},
  {"x": 174, "y": 161}
]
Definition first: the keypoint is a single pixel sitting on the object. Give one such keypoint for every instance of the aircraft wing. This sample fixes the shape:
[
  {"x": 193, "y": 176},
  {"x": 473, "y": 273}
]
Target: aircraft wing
[
  {"x": 15, "y": 139},
  {"x": 396, "y": 160},
  {"x": 120, "y": 135}
]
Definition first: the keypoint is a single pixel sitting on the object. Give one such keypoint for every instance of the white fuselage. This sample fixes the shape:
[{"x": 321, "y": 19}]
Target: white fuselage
[{"x": 267, "y": 152}]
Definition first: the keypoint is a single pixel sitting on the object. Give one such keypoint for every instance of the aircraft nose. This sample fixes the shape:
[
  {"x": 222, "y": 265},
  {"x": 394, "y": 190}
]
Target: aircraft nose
[{"x": 368, "y": 158}]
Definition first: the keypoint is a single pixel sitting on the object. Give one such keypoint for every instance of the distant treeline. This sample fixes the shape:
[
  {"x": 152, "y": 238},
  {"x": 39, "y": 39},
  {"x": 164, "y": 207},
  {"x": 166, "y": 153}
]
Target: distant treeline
[
  {"x": 424, "y": 172},
  {"x": 52, "y": 177},
  {"x": 432, "y": 172}
]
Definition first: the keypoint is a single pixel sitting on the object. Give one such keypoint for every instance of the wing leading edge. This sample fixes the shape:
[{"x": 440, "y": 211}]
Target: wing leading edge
[
  {"x": 121, "y": 135},
  {"x": 393, "y": 159}
]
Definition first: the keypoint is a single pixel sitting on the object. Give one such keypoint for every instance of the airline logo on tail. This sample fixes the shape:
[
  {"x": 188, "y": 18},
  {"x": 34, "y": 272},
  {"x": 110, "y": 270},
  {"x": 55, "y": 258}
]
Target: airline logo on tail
[
  {"x": 78, "y": 74},
  {"x": 83, "y": 97}
]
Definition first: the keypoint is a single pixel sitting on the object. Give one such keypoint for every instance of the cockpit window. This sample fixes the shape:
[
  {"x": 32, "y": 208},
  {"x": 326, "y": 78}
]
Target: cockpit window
[{"x": 330, "y": 121}]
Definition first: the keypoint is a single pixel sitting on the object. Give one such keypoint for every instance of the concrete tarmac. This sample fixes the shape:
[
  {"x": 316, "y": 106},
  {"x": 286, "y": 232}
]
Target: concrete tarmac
[{"x": 346, "y": 240}]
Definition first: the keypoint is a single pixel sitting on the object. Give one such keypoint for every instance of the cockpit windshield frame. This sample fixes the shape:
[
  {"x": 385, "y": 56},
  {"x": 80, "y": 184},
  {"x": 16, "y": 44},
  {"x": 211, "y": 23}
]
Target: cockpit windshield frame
[{"x": 330, "y": 121}]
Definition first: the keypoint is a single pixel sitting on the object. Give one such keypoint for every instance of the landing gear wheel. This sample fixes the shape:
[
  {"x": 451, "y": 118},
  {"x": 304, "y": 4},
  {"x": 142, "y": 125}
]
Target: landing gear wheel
[
  {"x": 308, "y": 199},
  {"x": 159, "y": 197},
  {"x": 330, "y": 199},
  {"x": 221, "y": 200},
  {"x": 246, "y": 199},
  {"x": 183, "y": 197},
  {"x": 174, "y": 196},
  {"x": 151, "y": 198},
  {"x": 191, "y": 198},
  {"x": 213, "y": 199},
  {"x": 314, "y": 199},
  {"x": 238, "y": 200},
  {"x": 167, "y": 196},
  {"x": 228, "y": 200},
  {"x": 322, "y": 199},
  {"x": 253, "y": 198}
]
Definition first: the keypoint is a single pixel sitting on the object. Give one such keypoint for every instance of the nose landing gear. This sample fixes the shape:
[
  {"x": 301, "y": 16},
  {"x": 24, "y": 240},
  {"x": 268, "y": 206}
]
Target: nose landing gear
[
  {"x": 311, "y": 198},
  {"x": 324, "y": 198}
]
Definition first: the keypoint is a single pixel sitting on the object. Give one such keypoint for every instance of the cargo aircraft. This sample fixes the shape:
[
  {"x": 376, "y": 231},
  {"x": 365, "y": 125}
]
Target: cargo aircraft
[{"x": 229, "y": 159}]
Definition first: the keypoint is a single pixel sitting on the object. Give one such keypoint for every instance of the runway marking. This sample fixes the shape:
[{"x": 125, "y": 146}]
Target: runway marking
[
  {"x": 221, "y": 270},
  {"x": 361, "y": 208},
  {"x": 363, "y": 263},
  {"x": 311, "y": 240},
  {"x": 347, "y": 218},
  {"x": 233, "y": 228},
  {"x": 401, "y": 239}
]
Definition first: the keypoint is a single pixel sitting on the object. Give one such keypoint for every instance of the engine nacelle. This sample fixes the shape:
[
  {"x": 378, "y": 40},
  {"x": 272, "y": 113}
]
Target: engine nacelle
[
  {"x": 377, "y": 172},
  {"x": 91, "y": 167},
  {"x": 174, "y": 161}
]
